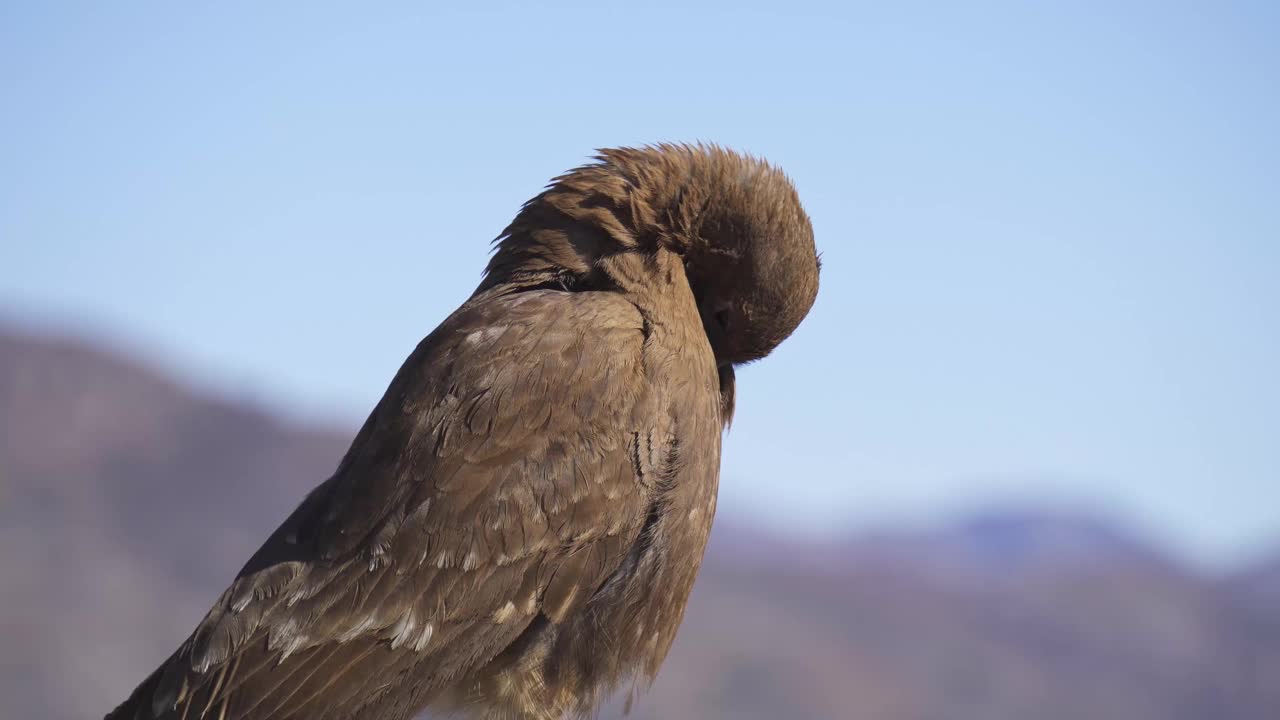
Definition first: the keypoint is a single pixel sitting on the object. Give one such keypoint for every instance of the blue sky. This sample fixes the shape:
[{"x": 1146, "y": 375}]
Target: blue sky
[{"x": 1050, "y": 231}]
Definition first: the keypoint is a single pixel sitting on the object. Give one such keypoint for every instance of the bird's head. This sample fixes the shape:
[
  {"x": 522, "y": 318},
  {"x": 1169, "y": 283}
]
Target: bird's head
[
  {"x": 736, "y": 221},
  {"x": 749, "y": 255}
]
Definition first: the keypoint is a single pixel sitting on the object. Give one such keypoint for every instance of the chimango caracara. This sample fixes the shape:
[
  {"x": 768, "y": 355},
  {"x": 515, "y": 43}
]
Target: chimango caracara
[{"x": 515, "y": 530}]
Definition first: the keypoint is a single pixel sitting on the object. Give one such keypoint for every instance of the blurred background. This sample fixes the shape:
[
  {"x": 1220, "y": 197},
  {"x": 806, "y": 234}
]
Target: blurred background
[{"x": 1021, "y": 461}]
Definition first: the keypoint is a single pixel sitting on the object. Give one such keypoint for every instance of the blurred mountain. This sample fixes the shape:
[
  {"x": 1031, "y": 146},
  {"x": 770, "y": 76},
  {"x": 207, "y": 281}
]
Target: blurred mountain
[
  {"x": 127, "y": 502},
  {"x": 1008, "y": 543},
  {"x": 1259, "y": 584}
]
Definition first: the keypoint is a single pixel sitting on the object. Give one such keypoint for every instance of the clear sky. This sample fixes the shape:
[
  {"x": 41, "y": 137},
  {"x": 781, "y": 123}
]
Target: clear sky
[{"x": 1050, "y": 231}]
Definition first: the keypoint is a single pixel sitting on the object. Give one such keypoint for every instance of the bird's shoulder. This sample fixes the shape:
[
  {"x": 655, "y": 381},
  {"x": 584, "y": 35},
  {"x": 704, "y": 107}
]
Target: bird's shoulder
[{"x": 540, "y": 376}]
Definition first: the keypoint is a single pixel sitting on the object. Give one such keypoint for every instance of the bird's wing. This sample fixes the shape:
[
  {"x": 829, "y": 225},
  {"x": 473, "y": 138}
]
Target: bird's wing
[{"x": 497, "y": 479}]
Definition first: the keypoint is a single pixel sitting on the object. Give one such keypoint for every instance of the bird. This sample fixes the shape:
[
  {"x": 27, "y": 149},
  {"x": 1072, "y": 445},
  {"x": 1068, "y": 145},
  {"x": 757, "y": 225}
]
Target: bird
[{"x": 514, "y": 532}]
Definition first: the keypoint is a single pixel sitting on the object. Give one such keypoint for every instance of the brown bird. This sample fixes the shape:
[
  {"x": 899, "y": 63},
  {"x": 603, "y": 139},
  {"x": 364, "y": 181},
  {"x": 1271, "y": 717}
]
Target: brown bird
[{"x": 516, "y": 529}]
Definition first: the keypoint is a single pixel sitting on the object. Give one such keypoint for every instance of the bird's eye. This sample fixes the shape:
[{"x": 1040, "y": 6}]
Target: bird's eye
[{"x": 722, "y": 319}]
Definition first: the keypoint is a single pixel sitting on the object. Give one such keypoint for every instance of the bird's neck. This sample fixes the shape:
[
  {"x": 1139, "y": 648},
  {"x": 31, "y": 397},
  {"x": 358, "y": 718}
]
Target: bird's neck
[{"x": 592, "y": 231}]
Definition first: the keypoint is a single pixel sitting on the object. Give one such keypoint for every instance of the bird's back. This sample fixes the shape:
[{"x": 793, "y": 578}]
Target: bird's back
[{"x": 511, "y": 531}]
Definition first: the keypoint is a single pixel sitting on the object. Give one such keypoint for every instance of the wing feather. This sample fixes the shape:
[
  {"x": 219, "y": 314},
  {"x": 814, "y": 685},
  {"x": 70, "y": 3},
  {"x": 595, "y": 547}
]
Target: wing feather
[{"x": 493, "y": 482}]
